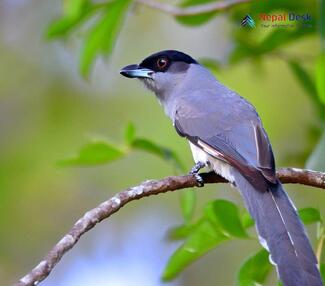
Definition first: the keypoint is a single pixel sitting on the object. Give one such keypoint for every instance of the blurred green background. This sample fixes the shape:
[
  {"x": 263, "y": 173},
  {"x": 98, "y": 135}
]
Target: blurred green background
[{"x": 48, "y": 111}]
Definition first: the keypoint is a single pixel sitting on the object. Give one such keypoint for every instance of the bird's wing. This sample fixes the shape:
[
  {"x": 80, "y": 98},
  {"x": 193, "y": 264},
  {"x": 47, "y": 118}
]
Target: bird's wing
[{"x": 230, "y": 132}]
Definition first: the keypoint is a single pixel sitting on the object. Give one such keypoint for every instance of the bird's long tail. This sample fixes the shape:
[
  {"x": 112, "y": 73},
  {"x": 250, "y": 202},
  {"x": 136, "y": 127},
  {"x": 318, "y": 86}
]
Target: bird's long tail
[{"x": 281, "y": 233}]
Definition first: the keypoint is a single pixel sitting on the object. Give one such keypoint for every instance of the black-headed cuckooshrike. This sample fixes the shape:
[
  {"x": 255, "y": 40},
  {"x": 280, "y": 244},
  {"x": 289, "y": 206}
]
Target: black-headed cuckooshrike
[{"x": 226, "y": 135}]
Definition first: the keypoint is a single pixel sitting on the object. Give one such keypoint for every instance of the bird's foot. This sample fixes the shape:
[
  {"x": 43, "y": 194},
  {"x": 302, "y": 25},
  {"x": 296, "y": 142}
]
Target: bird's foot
[
  {"x": 199, "y": 180},
  {"x": 195, "y": 171},
  {"x": 197, "y": 167}
]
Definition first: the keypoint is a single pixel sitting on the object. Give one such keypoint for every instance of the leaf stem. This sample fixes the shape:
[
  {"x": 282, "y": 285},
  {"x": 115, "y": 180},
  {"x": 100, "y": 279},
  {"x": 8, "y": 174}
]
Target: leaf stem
[{"x": 320, "y": 248}]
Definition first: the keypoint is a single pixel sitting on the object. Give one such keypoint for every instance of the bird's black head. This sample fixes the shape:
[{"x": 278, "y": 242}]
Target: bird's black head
[
  {"x": 158, "y": 62},
  {"x": 161, "y": 61},
  {"x": 161, "y": 72}
]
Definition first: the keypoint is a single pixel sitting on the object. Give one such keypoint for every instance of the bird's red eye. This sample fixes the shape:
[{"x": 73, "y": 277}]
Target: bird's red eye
[{"x": 162, "y": 63}]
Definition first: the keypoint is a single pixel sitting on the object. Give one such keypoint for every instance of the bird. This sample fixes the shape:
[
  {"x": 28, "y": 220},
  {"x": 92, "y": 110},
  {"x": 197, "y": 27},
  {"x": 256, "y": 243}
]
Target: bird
[{"x": 226, "y": 136}]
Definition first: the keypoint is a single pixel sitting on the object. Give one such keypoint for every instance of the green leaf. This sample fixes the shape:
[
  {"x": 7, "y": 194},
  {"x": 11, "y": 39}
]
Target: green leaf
[
  {"x": 73, "y": 8},
  {"x": 197, "y": 19},
  {"x": 180, "y": 232},
  {"x": 247, "y": 220},
  {"x": 61, "y": 27},
  {"x": 187, "y": 201},
  {"x": 94, "y": 153},
  {"x": 322, "y": 270},
  {"x": 162, "y": 152},
  {"x": 316, "y": 161},
  {"x": 304, "y": 78},
  {"x": 283, "y": 37},
  {"x": 203, "y": 238},
  {"x": 225, "y": 216},
  {"x": 220, "y": 222},
  {"x": 309, "y": 215},
  {"x": 103, "y": 34},
  {"x": 151, "y": 147},
  {"x": 248, "y": 48},
  {"x": 322, "y": 25},
  {"x": 320, "y": 76},
  {"x": 75, "y": 12},
  {"x": 255, "y": 269},
  {"x": 276, "y": 5},
  {"x": 308, "y": 84},
  {"x": 129, "y": 133}
]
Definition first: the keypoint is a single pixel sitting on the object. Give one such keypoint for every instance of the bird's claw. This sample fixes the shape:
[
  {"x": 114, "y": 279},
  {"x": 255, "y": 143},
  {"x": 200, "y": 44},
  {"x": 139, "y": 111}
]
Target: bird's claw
[
  {"x": 195, "y": 171},
  {"x": 199, "y": 180}
]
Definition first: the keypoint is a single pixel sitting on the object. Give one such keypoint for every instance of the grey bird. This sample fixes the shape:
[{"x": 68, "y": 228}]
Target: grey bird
[{"x": 226, "y": 135}]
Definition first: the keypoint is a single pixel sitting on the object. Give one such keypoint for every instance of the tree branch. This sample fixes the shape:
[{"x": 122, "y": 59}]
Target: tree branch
[
  {"x": 193, "y": 10},
  {"x": 147, "y": 188}
]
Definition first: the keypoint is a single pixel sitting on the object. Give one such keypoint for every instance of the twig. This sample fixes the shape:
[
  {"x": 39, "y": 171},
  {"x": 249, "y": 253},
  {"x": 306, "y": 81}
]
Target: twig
[
  {"x": 193, "y": 10},
  {"x": 302, "y": 176},
  {"x": 147, "y": 188}
]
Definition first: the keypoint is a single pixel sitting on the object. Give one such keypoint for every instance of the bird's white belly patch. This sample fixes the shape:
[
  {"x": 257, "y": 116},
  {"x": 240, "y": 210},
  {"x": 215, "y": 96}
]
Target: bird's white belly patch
[{"x": 218, "y": 166}]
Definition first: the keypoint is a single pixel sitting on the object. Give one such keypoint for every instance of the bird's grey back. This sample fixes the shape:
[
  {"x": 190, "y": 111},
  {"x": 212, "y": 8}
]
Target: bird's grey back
[{"x": 209, "y": 109}]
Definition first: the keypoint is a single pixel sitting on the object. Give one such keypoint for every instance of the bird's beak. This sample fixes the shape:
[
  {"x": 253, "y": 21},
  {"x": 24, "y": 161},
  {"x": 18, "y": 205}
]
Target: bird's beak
[{"x": 135, "y": 71}]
